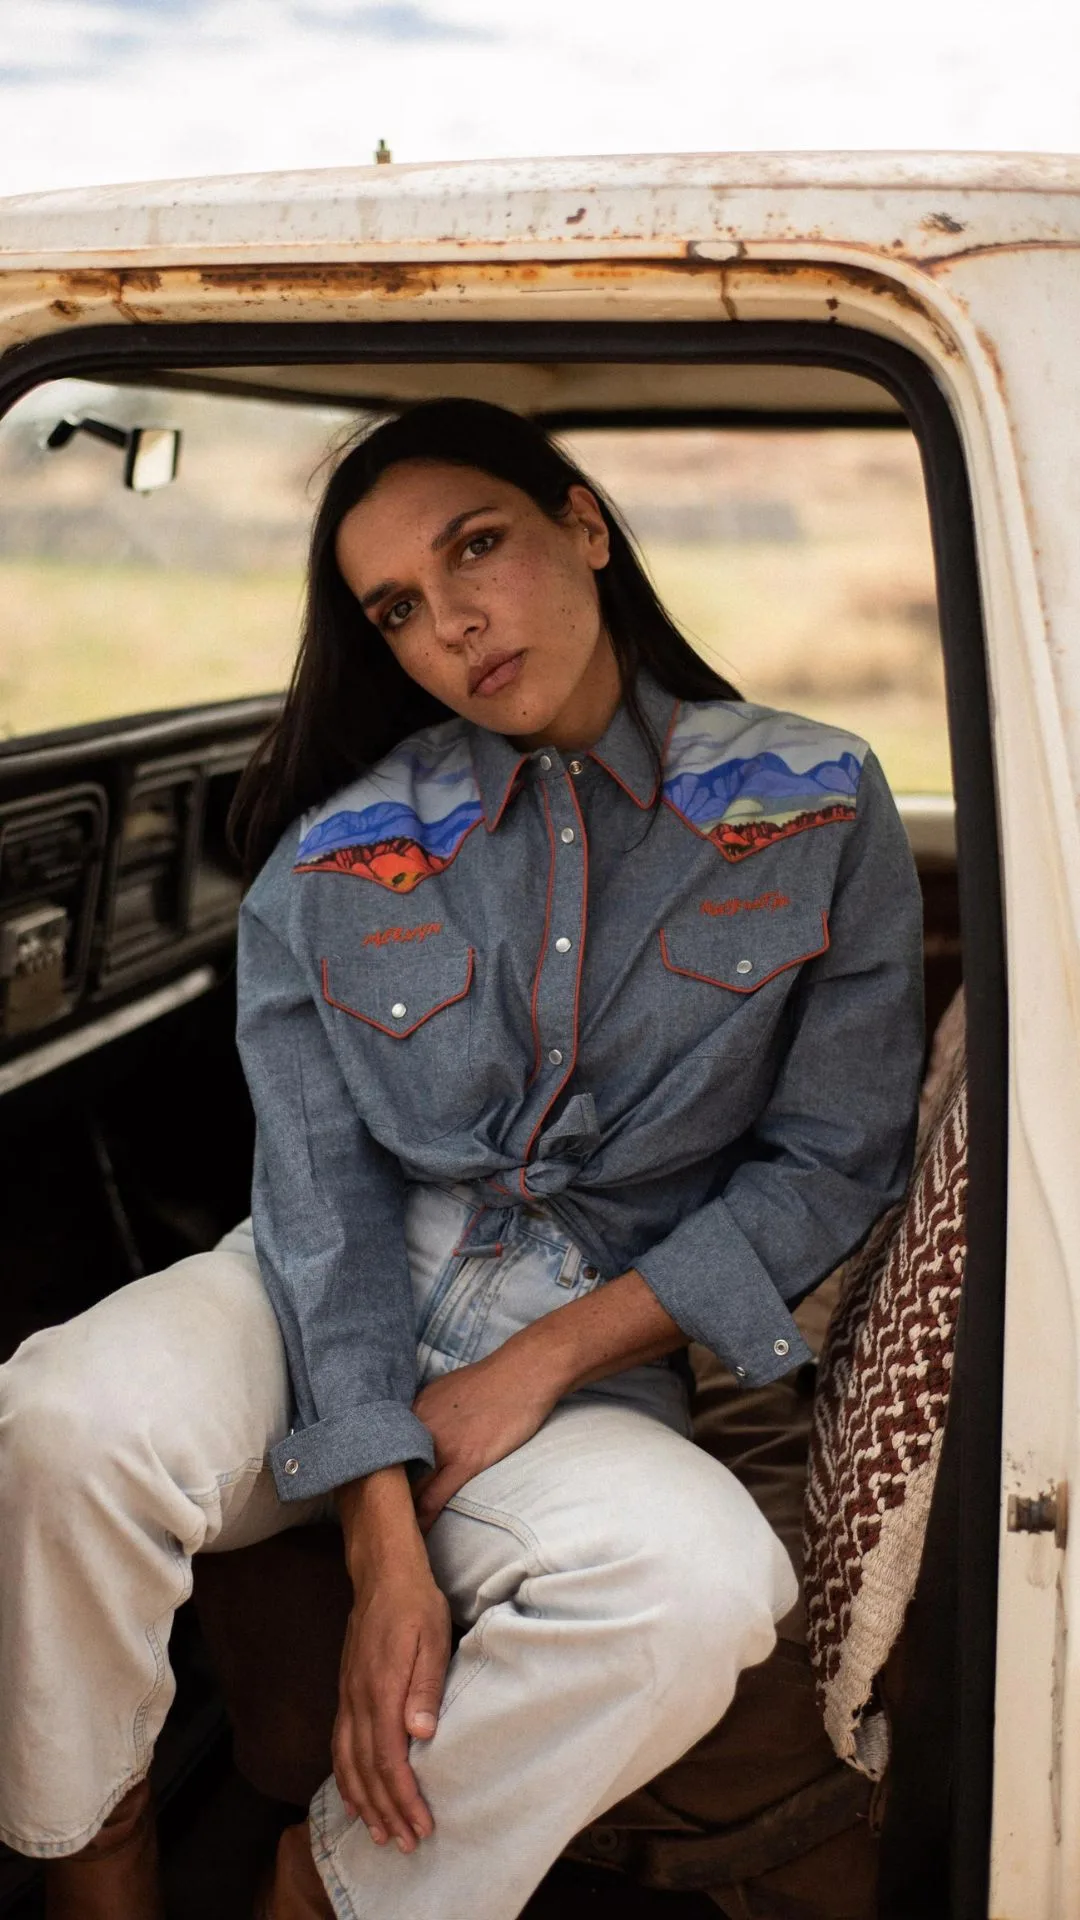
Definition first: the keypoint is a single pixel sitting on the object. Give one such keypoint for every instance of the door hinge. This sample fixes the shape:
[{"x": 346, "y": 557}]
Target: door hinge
[{"x": 1040, "y": 1513}]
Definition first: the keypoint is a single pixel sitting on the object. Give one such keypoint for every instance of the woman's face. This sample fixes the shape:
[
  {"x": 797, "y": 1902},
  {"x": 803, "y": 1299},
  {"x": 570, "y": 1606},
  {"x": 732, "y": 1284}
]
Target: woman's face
[{"x": 485, "y": 601}]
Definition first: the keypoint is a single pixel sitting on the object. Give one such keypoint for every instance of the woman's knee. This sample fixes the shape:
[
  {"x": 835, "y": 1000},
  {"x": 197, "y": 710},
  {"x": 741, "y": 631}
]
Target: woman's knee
[
  {"x": 60, "y": 1418},
  {"x": 707, "y": 1578},
  {"x": 144, "y": 1402}
]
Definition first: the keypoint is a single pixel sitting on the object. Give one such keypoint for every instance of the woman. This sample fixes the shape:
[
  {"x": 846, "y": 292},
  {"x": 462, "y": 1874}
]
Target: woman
[{"x": 580, "y": 1004}]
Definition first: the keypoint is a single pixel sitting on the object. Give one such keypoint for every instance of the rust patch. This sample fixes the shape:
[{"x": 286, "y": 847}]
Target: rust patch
[
  {"x": 942, "y": 223},
  {"x": 394, "y": 278},
  {"x": 573, "y": 218},
  {"x": 114, "y": 284},
  {"x": 933, "y": 261},
  {"x": 867, "y": 280},
  {"x": 991, "y": 353},
  {"x": 258, "y": 284}
]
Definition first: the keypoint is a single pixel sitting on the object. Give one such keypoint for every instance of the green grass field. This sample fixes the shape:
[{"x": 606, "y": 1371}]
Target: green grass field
[{"x": 832, "y": 629}]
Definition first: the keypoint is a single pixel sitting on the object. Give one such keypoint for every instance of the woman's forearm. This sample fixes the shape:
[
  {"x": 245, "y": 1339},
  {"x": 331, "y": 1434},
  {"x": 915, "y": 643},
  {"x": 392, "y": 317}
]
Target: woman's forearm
[
  {"x": 378, "y": 1523},
  {"x": 621, "y": 1324}
]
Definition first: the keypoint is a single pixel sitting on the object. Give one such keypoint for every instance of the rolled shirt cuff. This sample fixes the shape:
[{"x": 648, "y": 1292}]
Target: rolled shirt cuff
[
  {"x": 346, "y": 1446},
  {"x": 708, "y": 1277}
]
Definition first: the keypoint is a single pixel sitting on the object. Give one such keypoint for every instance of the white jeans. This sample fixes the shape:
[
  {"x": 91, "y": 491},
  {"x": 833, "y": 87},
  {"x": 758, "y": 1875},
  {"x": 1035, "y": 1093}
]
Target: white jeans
[{"x": 613, "y": 1578}]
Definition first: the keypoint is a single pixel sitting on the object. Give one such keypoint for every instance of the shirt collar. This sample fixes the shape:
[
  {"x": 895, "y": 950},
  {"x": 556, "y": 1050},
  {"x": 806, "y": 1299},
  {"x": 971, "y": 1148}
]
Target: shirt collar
[{"x": 621, "y": 752}]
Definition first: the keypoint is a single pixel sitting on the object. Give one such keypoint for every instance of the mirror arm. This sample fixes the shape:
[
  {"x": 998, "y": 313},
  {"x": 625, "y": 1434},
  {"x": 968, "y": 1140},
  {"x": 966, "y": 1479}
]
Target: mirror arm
[{"x": 66, "y": 430}]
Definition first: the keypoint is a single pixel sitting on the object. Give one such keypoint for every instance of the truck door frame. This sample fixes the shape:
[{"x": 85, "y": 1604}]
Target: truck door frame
[{"x": 936, "y": 1839}]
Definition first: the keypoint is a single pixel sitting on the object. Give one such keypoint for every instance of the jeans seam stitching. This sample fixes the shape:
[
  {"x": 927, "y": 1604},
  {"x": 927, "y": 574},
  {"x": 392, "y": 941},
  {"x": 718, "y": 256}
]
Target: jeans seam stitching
[
  {"x": 467, "y": 1679},
  {"x": 508, "y": 1523},
  {"x": 252, "y": 1465},
  {"x": 62, "y": 1849}
]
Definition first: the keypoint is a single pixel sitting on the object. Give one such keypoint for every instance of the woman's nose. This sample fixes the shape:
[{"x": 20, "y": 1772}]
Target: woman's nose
[{"x": 456, "y": 620}]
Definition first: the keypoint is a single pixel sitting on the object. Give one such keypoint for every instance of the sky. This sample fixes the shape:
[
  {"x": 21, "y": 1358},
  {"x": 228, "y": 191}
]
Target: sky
[{"x": 97, "y": 91}]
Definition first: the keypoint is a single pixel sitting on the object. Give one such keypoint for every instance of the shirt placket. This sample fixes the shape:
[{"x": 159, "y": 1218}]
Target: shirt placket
[{"x": 557, "y": 981}]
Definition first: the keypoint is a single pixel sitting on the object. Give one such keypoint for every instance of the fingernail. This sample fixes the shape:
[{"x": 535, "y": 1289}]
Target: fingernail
[
  {"x": 424, "y": 1723},
  {"x": 350, "y": 1810},
  {"x": 419, "y": 1832},
  {"x": 402, "y": 1845},
  {"x": 378, "y": 1836}
]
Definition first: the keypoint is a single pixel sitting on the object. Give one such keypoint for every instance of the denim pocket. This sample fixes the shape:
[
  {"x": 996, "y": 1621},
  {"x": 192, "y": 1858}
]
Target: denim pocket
[
  {"x": 742, "y": 955},
  {"x": 403, "y": 1016}
]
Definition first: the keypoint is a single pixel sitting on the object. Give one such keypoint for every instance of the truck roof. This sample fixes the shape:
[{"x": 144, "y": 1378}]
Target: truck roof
[{"x": 724, "y": 205}]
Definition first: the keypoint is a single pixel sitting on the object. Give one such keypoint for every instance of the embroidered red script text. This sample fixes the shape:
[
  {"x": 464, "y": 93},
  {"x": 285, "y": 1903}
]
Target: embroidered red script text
[
  {"x": 387, "y": 934},
  {"x": 770, "y": 902}
]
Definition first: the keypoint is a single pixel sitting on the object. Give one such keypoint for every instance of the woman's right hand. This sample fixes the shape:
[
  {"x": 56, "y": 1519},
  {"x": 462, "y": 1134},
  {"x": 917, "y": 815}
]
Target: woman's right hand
[{"x": 393, "y": 1667}]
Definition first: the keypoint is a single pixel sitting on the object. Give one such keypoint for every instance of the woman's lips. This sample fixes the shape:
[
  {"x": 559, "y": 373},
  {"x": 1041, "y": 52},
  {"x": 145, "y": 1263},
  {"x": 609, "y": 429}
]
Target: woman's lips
[{"x": 493, "y": 675}]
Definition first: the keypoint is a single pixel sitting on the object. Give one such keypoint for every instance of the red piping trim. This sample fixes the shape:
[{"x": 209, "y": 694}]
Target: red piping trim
[
  {"x": 619, "y": 782},
  {"x": 544, "y": 936},
  {"x": 714, "y": 980},
  {"x": 675, "y": 712},
  {"x": 651, "y": 801},
  {"x": 577, "y": 994},
  {"x": 505, "y": 801},
  {"x": 396, "y": 1033}
]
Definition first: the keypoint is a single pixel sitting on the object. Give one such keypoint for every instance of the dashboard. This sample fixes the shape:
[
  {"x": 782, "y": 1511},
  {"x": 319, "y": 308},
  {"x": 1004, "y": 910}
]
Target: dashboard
[{"x": 118, "y": 892}]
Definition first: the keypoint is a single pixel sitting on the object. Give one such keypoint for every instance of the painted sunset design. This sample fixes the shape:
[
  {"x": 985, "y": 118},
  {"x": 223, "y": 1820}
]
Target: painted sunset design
[
  {"x": 743, "y": 805},
  {"x": 387, "y": 843}
]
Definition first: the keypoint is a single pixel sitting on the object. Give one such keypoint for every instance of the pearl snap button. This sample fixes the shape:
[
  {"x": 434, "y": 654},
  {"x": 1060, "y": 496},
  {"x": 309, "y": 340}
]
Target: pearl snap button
[
  {"x": 292, "y": 1466},
  {"x": 589, "y": 1273},
  {"x": 562, "y": 944},
  {"x": 555, "y": 1056},
  {"x": 399, "y": 1009},
  {"x": 566, "y": 835},
  {"x": 745, "y": 966},
  {"x": 545, "y": 762},
  {"x": 780, "y": 1348},
  {"x": 740, "y": 1373},
  {"x": 575, "y": 766}
]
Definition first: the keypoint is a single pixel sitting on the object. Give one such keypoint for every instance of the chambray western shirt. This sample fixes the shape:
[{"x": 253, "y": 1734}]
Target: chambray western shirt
[{"x": 683, "y": 1013}]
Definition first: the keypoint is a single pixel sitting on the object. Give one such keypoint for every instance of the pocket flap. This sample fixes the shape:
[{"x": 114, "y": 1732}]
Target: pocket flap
[
  {"x": 398, "y": 989},
  {"x": 743, "y": 952}
]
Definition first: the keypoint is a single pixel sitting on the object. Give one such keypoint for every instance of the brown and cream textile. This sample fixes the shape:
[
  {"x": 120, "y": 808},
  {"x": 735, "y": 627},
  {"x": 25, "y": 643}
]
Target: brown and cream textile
[{"x": 879, "y": 1418}]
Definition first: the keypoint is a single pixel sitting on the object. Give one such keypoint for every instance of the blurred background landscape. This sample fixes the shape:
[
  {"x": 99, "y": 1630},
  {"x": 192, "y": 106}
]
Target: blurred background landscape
[{"x": 798, "y": 562}]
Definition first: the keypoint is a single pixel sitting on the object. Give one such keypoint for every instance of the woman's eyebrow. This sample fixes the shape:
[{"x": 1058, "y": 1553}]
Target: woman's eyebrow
[
  {"x": 440, "y": 541},
  {"x": 455, "y": 525}
]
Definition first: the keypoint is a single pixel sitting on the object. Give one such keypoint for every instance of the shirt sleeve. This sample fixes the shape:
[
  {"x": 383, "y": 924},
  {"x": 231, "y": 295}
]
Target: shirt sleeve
[
  {"x": 328, "y": 1219},
  {"x": 834, "y": 1145}
]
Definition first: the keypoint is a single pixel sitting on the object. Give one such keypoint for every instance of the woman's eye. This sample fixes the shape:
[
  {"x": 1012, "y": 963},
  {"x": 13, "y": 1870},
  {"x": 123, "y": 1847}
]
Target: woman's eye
[
  {"x": 479, "y": 544},
  {"x": 396, "y": 615}
]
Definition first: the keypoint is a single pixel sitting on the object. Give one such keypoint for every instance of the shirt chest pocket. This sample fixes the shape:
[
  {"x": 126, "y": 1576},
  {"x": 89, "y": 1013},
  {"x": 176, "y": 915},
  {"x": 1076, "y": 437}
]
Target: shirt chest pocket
[
  {"x": 741, "y": 952},
  {"x": 402, "y": 1019}
]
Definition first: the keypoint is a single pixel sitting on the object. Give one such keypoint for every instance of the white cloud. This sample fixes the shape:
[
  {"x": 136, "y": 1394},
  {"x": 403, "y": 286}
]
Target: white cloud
[{"x": 101, "y": 90}]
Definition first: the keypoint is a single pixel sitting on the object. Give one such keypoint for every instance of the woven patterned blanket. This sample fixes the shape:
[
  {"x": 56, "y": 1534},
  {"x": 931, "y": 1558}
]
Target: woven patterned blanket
[{"x": 882, "y": 1394}]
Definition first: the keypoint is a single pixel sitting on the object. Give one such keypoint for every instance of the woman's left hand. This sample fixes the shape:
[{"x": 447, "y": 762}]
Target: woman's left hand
[{"x": 477, "y": 1415}]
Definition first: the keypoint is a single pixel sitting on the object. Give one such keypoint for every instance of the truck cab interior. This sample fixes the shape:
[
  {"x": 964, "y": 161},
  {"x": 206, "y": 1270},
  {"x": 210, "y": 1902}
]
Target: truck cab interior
[{"x": 801, "y": 504}]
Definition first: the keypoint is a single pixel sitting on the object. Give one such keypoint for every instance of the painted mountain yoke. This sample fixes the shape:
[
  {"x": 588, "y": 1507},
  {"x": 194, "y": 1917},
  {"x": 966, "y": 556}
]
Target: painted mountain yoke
[
  {"x": 801, "y": 775},
  {"x": 406, "y": 820}
]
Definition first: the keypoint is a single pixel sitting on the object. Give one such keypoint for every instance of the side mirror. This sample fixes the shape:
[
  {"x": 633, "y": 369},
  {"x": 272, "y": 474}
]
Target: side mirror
[{"x": 151, "y": 454}]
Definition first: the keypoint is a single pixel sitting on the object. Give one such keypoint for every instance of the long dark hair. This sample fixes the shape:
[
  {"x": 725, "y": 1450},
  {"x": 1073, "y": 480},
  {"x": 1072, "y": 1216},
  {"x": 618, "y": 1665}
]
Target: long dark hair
[{"x": 349, "y": 701}]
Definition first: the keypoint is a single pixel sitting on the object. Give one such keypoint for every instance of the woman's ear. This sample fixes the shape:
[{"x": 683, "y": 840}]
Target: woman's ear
[{"x": 585, "y": 513}]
